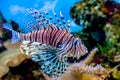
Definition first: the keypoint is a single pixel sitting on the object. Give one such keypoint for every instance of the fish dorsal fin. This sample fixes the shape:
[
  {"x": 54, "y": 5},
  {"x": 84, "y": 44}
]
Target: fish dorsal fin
[
  {"x": 39, "y": 19},
  {"x": 61, "y": 22}
]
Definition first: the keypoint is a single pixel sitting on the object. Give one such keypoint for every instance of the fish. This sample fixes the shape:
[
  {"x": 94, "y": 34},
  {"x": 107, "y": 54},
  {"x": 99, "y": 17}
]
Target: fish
[
  {"x": 46, "y": 56},
  {"x": 51, "y": 31}
]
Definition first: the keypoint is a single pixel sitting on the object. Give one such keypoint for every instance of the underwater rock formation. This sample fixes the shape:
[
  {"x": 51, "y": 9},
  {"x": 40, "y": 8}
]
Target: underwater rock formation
[
  {"x": 93, "y": 15},
  {"x": 4, "y": 33},
  {"x": 35, "y": 48},
  {"x": 2, "y": 21},
  {"x": 99, "y": 12},
  {"x": 86, "y": 13},
  {"x": 85, "y": 72},
  {"x": 10, "y": 58}
]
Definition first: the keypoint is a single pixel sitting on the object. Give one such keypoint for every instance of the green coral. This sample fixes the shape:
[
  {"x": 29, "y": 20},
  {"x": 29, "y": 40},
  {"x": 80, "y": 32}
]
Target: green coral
[
  {"x": 106, "y": 49},
  {"x": 116, "y": 74},
  {"x": 116, "y": 19},
  {"x": 113, "y": 35},
  {"x": 112, "y": 43}
]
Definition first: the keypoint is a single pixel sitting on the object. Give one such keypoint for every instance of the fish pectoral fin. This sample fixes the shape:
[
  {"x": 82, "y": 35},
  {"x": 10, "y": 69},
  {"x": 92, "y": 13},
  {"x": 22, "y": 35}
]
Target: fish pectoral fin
[{"x": 62, "y": 55}]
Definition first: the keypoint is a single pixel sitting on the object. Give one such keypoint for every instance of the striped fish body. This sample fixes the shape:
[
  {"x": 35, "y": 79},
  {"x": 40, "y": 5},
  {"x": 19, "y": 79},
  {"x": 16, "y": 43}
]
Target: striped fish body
[
  {"x": 51, "y": 32},
  {"x": 55, "y": 37}
]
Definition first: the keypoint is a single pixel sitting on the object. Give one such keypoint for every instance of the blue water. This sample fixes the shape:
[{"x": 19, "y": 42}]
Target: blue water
[{"x": 14, "y": 9}]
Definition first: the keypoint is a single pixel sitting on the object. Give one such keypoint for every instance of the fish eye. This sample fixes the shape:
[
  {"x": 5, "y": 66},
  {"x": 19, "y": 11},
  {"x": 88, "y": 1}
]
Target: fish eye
[
  {"x": 75, "y": 43},
  {"x": 59, "y": 46}
]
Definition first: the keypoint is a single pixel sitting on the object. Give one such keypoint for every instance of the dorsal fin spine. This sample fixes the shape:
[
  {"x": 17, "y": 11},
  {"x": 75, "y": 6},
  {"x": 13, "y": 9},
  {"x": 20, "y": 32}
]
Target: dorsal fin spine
[{"x": 44, "y": 21}]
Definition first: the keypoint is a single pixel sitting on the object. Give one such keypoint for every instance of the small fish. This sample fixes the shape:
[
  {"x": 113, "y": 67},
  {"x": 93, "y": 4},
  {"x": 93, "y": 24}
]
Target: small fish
[{"x": 50, "y": 31}]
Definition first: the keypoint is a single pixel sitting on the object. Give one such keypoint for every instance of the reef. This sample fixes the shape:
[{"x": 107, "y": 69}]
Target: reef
[
  {"x": 93, "y": 17},
  {"x": 85, "y": 72},
  {"x": 100, "y": 22},
  {"x": 10, "y": 58}
]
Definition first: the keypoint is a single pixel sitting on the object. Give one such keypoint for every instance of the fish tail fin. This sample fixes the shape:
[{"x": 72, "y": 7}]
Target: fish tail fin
[
  {"x": 15, "y": 34},
  {"x": 15, "y": 37}
]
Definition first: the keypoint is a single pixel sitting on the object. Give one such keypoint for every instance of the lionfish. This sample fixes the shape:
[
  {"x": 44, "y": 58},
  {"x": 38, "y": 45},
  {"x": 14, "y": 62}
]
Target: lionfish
[{"x": 52, "y": 31}]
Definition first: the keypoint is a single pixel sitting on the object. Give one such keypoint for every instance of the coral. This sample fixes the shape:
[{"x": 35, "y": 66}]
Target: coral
[
  {"x": 112, "y": 43},
  {"x": 115, "y": 57},
  {"x": 13, "y": 77},
  {"x": 116, "y": 19},
  {"x": 93, "y": 15},
  {"x": 85, "y": 12},
  {"x": 11, "y": 46},
  {"x": 112, "y": 33},
  {"x": 78, "y": 76},
  {"x": 94, "y": 71},
  {"x": 10, "y": 58},
  {"x": 90, "y": 57},
  {"x": 27, "y": 70},
  {"x": 116, "y": 74}
]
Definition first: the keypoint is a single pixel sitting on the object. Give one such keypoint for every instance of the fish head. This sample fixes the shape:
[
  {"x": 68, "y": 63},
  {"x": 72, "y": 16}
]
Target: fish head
[{"x": 81, "y": 48}]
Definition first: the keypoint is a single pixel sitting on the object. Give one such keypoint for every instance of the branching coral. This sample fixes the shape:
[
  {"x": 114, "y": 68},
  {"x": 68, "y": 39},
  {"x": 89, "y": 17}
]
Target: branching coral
[
  {"x": 89, "y": 57},
  {"x": 94, "y": 71}
]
